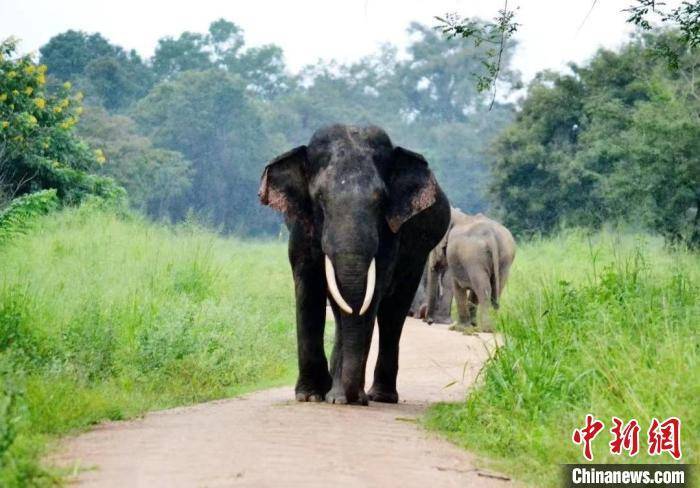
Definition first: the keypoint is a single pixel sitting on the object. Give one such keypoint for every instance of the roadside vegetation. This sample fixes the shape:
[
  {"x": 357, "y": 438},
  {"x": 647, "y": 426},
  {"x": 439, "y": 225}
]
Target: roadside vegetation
[
  {"x": 104, "y": 316},
  {"x": 605, "y": 324}
]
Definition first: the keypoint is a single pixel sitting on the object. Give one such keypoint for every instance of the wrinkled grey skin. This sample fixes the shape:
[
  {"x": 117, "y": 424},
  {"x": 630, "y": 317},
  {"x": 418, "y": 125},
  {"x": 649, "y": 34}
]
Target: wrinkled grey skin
[
  {"x": 419, "y": 303},
  {"x": 438, "y": 290},
  {"x": 352, "y": 196},
  {"x": 442, "y": 311},
  {"x": 479, "y": 253}
]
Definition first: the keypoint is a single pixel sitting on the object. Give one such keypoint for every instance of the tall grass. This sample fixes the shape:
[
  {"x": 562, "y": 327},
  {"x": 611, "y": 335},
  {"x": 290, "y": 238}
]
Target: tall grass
[
  {"x": 105, "y": 317},
  {"x": 606, "y": 325}
]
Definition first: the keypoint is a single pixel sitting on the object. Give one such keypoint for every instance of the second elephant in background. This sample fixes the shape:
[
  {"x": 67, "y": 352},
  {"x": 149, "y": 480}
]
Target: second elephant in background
[{"x": 478, "y": 252}]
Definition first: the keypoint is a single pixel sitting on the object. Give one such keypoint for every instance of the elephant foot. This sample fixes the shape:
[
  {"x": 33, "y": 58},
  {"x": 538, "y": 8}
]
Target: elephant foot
[
  {"x": 463, "y": 328},
  {"x": 379, "y": 394},
  {"x": 443, "y": 320},
  {"x": 308, "y": 396},
  {"x": 312, "y": 388},
  {"x": 484, "y": 328},
  {"x": 338, "y": 397}
]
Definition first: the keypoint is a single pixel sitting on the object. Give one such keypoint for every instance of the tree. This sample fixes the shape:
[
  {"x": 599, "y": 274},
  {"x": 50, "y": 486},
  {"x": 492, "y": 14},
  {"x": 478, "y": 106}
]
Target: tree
[
  {"x": 114, "y": 77},
  {"x": 262, "y": 68},
  {"x": 616, "y": 140},
  {"x": 208, "y": 117},
  {"x": 685, "y": 18},
  {"x": 157, "y": 180},
  {"x": 38, "y": 146}
]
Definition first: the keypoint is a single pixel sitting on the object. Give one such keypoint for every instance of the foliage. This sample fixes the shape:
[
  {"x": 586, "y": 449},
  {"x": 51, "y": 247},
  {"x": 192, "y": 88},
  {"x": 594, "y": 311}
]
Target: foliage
[
  {"x": 157, "y": 180},
  {"x": 615, "y": 140},
  {"x": 38, "y": 148},
  {"x": 226, "y": 145},
  {"x": 260, "y": 68},
  {"x": 105, "y": 71},
  {"x": 106, "y": 317},
  {"x": 603, "y": 324},
  {"x": 16, "y": 217},
  {"x": 228, "y": 108},
  {"x": 685, "y": 18},
  {"x": 496, "y": 35}
]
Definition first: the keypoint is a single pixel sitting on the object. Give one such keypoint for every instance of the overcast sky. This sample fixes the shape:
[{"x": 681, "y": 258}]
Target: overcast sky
[{"x": 552, "y": 33}]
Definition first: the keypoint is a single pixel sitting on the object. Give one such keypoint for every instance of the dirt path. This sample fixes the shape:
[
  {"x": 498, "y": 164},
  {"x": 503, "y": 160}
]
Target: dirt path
[{"x": 266, "y": 439}]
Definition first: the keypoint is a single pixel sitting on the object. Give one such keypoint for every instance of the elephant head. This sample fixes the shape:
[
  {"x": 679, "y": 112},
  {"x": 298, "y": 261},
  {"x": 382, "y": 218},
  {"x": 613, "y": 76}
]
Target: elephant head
[
  {"x": 351, "y": 191},
  {"x": 437, "y": 290}
]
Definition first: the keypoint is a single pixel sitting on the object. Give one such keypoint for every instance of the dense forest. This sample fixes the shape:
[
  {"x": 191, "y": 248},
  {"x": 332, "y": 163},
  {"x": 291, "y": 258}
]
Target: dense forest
[{"x": 186, "y": 132}]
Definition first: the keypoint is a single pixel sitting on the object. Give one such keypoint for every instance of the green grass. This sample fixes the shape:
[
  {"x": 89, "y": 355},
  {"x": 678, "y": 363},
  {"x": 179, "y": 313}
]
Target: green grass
[
  {"x": 606, "y": 325},
  {"x": 105, "y": 317}
]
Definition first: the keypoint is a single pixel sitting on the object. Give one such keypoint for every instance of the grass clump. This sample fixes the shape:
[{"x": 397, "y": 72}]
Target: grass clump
[
  {"x": 105, "y": 317},
  {"x": 606, "y": 325}
]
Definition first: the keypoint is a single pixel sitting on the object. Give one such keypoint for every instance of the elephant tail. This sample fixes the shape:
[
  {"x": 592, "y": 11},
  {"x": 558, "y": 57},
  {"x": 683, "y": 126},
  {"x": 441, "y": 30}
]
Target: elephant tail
[{"x": 495, "y": 275}]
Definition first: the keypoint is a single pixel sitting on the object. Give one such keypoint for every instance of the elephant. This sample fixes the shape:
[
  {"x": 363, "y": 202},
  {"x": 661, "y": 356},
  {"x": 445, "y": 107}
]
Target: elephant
[
  {"x": 438, "y": 291},
  {"x": 479, "y": 252},
  {"x": 362, "y": 215},
  {"x": 419, "y": 304}
]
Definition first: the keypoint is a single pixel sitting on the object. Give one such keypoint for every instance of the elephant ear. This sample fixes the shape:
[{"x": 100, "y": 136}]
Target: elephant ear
[
  {"x": 412, "y": 187},
  {"x": 284, "y": 186}
]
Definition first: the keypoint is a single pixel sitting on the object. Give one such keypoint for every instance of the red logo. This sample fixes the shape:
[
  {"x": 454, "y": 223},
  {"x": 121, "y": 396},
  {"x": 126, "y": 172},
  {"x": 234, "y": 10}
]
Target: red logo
[
  {"x": 625, "y": 437},
  {"x": 665, "y": 436},
  {"x": 661, "y": 437},
  {"x": 586, "y": 435}
]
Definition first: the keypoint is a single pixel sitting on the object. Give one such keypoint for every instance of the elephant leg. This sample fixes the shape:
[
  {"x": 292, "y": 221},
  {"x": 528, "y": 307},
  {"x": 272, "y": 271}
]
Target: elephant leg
[
  {"x": 472, "y": 306},
  {"x": 391, "y": 317},
  {"x": 481, "y": 287},
  {"x": 464, "y": 317},
  {"x": 313, "y": 381},
  {"x": 310, "y": 293}
]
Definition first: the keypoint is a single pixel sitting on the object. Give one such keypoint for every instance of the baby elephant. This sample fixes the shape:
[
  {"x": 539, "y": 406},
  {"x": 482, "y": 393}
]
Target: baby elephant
[{"x": 479, "y": 252}]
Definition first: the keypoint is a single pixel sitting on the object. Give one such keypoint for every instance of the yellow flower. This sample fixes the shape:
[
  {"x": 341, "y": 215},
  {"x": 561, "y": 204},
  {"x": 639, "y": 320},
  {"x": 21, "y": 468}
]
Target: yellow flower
[
  {"x": 41, "y": 79},
  {"x": 30, "y": 69},
  {"x": 40, "y": 102},
  {"x": 57, "y": 110},
  {"x": 3, "y": 97},
  {"x": 5, "y": 124},
  {"x": 41, "y": 68},
  {"x": 68, "y": 123},
  {"x": 67, "y": 85},
  {"x": 79, "y": 96},
  {"x": 64, "y": 103},
  {"x": 28, "y": 90},
  {"x": 11, "y": 74},
  {"x": 32, "y": 120},
  {"x": 100, "y": 156},
  {"x": 79, "y": 110}
]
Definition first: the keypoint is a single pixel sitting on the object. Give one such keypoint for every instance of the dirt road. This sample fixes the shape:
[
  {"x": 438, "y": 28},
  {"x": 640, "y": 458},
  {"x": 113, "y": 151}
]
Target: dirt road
[{"x": 267, "y": 439}]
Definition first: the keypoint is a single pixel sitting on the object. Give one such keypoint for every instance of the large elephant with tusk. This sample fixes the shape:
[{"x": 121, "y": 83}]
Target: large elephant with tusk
[{"x": 363, "y": 215}]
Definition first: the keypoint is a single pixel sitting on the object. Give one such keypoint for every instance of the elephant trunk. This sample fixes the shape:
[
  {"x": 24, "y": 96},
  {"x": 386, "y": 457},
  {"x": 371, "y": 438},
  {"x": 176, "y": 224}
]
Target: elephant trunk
[{"x": 354, "y": 281}]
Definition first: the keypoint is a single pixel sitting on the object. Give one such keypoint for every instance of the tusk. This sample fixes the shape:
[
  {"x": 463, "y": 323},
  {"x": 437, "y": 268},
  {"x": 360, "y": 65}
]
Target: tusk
[
  {"x": 333, "y": 287},
  {"x": 371, "y": 281}
]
